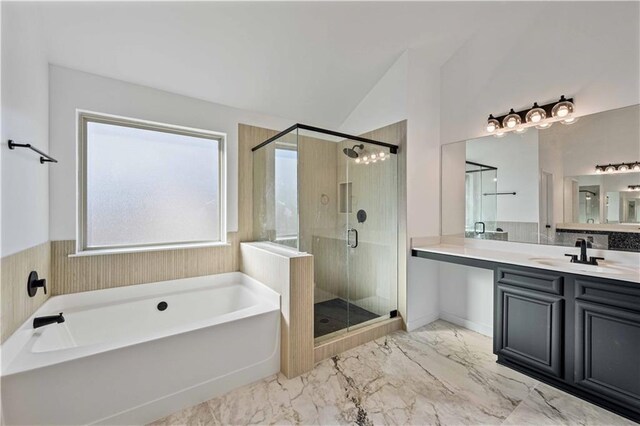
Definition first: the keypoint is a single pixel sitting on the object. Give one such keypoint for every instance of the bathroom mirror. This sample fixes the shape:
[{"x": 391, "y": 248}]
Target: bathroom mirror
[{"x": 542, "y": 186}]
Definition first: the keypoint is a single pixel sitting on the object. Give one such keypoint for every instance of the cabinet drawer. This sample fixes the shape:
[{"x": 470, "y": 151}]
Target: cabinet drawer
[
  {"x": 532, "y": 279},
  {"x": 607, "y": 292},
  {"x": 530, "y": 329},
  {"x": 607, "y": 353}
]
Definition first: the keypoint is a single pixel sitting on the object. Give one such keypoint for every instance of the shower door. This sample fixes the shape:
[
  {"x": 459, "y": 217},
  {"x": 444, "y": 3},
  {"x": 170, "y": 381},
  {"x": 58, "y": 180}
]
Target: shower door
[{"x": 371, "y": 233}]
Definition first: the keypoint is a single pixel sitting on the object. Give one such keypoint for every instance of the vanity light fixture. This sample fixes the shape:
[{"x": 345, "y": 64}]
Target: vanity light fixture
[
  {"x": 620, "y": 167},
  {"x": 634, "y": 187},
  {"x": 538, "y": 116}
]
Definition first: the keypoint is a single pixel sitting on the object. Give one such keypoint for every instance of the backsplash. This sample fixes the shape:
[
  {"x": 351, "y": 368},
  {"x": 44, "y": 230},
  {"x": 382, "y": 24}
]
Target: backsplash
[{"x": 607, "y": 240}]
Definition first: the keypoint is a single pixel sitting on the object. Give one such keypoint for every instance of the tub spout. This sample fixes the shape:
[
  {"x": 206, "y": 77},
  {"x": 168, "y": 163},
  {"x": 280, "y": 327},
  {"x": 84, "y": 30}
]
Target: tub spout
[{"x": 42, "y": 321}]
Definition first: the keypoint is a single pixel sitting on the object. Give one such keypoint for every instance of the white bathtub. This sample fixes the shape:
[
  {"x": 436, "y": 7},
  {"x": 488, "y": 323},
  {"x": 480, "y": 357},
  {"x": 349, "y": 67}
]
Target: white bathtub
[{"x": 118, "y": 359}]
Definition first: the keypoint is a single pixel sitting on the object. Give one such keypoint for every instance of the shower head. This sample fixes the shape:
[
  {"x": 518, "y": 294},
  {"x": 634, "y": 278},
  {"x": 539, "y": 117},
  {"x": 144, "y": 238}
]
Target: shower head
[{"x": 351, "y": 152}]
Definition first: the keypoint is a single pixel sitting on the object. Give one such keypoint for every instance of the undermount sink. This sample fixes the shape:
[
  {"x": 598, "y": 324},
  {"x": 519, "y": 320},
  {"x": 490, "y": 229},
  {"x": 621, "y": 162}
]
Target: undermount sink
[{"x": 602, "y": 268}]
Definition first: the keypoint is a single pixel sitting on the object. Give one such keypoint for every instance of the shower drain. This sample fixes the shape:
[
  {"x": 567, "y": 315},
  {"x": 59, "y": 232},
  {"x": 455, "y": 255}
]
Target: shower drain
[{"x": 162, "y": 306}]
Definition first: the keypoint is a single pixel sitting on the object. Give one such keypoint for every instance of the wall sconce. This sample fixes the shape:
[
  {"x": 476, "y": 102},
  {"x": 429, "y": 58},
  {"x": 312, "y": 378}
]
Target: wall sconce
[
  {"x": 620, "y": 167},
  {"x": 634, "y": 187},
  {"x": 540, "y": 117}
]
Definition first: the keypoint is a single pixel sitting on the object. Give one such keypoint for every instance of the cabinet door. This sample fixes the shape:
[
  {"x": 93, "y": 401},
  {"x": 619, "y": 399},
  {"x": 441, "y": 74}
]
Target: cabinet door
[
  {"x": 529, "y": 328},
  {"x": 607, "y": 354}
]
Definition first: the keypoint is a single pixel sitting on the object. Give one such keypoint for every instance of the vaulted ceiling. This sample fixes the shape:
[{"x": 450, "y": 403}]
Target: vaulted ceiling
[{"x": 310, "y": 61}]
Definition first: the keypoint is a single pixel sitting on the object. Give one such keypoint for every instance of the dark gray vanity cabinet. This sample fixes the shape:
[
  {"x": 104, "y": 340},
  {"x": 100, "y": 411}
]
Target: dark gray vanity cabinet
[
  {"x": 579, "y": 333},
  {"x": 530, "y": 320},
  {"x": 607, "y": 340}
]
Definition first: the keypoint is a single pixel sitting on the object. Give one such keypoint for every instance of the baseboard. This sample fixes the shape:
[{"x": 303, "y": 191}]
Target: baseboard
[
  {"x": 420, "y": 322},
  {"x": 485, "y": 329}
]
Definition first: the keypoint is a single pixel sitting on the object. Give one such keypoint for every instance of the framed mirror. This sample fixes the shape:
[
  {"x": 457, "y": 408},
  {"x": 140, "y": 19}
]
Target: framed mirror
[{"x": 543, "y": 186}]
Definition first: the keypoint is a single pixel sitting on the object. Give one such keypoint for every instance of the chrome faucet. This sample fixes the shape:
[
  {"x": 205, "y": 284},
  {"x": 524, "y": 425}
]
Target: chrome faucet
[
  {"x": 42, "y": 321},
  {"x": 584, "y": 244}
]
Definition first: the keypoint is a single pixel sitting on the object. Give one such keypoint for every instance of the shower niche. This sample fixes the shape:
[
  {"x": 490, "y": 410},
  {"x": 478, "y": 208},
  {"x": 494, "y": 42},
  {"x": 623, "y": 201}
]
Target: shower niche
[{"x": 334, "y": 196}]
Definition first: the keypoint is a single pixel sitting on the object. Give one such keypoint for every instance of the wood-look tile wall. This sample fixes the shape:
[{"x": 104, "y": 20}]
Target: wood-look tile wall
[
  {"x": 16, "y": 305},
  {"x": 292, "y": 276},
  {"x": 87, "y": 273}
]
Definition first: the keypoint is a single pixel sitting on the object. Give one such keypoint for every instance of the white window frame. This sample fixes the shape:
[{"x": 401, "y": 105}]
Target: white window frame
[{"x": 82, "y": 118}]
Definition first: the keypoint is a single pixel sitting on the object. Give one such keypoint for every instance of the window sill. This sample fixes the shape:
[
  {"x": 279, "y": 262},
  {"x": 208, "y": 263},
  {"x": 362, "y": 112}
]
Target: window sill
[{"x": 166, "y": 247}]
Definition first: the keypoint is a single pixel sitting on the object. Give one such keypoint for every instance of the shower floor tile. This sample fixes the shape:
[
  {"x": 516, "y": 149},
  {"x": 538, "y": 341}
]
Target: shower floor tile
[{"x": 332, "y": 315}]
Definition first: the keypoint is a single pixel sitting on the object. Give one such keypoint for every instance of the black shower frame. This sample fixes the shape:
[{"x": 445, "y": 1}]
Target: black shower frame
[{"x": 392, "y": 148}]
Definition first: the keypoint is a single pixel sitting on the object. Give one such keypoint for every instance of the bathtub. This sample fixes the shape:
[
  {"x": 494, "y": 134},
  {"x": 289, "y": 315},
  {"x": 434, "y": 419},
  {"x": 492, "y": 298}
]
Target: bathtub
[{"x": 119, "y": 359}]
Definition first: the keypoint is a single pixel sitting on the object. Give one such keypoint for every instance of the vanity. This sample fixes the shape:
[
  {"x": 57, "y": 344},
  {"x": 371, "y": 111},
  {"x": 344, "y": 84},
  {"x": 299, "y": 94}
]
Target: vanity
[
  {"x": 517, "y": 205},
  {"x": 576, "y": 327}
]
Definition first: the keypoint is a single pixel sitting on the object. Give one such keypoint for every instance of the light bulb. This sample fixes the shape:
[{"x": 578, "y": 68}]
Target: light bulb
[
  {"x": 495, "y": 179},
  {"x": 374, "y": 161},
  {"x": 636, "y": 167},
  {"x": 492, "y": 124},
  {"x": 562, "y": 109},
  {"x": 569, "y": 120},
  {"x": 599, "y": 169},
  {"x": 511, "y": 120},
  {"x": 623, "y": 168},
  {"x": 544, "y": 125},
  {"x": 499, "y": 134},
  {"x": 357, "y": 160},
  {"x": 373, "y": 155},
  {"x": 521, "y": 130},
  {"x": 383, "y": 158},
  {"x": 610, "y": 168},
  {"x": 365, "y": 158},
  {"x": 381, "y": 155},
  {"x": 536, "y": 114}
]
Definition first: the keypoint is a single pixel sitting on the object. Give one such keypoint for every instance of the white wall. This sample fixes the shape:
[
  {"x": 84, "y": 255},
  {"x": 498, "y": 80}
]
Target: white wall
[
  {"x": 71, "y": 90},
  {"x": 25, "y": 182},
  {"x": 385, "y": 104},
  {"x": 588, "y": 50},
  {"x": 466, "y": 297},
  {"x": 516, "y": 157}
]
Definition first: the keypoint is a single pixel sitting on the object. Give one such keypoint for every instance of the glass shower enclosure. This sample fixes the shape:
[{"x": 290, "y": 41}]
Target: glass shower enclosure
[
  {"x": 333, "y": 195},
  {"x": 481, "y": 202}
]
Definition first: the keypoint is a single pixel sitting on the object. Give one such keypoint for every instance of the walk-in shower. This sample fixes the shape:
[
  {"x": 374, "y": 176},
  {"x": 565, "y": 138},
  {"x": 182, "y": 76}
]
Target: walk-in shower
[{"x": 335, "y": 196}]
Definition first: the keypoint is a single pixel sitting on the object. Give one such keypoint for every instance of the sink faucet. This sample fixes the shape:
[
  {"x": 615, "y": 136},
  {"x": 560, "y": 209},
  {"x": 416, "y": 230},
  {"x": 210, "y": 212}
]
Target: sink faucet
[
  {"x": 42, "y": 321},
  {"x": 584, "y": 244}
]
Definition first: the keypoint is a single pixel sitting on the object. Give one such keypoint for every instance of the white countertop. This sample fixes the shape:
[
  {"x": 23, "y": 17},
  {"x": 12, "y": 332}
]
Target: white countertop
[{"x": 617, "y": 266}]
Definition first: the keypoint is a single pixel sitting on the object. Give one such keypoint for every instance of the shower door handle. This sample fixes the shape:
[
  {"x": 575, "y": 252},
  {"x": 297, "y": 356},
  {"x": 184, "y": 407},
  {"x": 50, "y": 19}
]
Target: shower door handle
[{"x": 355, "y": 231}]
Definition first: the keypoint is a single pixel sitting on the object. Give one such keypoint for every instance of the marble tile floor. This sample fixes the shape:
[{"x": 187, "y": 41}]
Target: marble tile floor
[{"x": 440, "y": 374}]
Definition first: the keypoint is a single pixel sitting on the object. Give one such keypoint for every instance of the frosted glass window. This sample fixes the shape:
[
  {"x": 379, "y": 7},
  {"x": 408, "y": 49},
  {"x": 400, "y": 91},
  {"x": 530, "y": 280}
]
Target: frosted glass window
[
  {"x": 286, "y": 192},
  {"x": 148, "y": 186}
]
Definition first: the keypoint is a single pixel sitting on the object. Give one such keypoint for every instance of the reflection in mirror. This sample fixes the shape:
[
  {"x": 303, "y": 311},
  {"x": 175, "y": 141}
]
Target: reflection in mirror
[{"x": 542, "y": 186}]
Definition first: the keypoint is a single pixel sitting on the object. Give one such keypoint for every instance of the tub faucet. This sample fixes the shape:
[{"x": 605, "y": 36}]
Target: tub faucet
[{"x": 42, "y": 321}]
